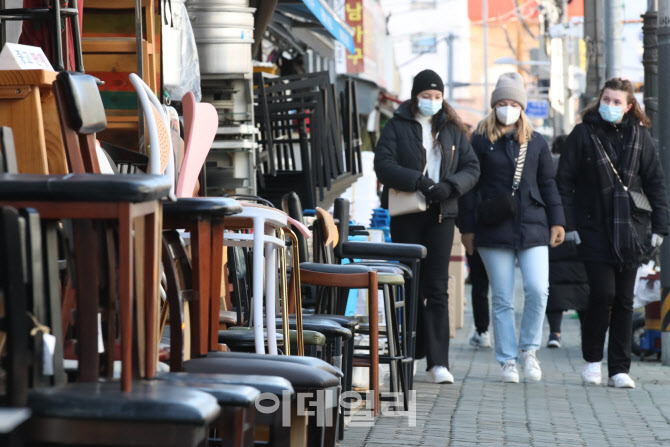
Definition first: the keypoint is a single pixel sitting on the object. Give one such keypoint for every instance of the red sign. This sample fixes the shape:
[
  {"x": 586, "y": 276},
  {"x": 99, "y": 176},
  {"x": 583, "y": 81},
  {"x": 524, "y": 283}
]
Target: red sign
[{"x": 353, "y": 14}]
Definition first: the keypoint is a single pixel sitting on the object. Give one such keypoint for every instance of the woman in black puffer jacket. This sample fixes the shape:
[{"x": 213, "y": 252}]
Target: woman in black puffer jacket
[
  {"x": 609, "y": 166},
  {"x": 426, "y": 133}
]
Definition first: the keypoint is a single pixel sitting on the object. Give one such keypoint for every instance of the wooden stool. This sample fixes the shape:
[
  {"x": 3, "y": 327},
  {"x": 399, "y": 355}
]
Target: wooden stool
[{"x": 28, "y": 106}]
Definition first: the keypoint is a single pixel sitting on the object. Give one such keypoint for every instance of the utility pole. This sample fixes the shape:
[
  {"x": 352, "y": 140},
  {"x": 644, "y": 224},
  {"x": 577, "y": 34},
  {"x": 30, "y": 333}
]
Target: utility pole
[
  {"x": 593, "y": 36},
  {"x": 650, "y": 63},
  {"x": 485, "y": 29},
  {"x": 664, "y": 150},
  {"x": 613, "y": 31},
  {"x": 450, "y": 66}
]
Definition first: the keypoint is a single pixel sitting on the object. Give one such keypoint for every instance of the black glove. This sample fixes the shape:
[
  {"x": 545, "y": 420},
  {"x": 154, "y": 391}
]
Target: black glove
[
  {"x": 424, "y": 184},
  {"x": 439, "y": 192}
]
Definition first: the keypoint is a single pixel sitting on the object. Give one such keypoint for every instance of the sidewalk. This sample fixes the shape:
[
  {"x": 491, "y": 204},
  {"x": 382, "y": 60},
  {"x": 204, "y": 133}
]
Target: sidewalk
[{"x": 558, "y": 411}]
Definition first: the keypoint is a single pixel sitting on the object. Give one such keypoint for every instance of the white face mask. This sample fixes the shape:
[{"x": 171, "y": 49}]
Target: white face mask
[{"x": 508, "y": 115}]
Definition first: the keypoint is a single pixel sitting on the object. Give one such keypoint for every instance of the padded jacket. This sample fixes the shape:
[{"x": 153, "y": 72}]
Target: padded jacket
[
  {"x": 400, "y": 158},
  {"x": 538, "y": 202},
  {"x": 578, "y": 184}
]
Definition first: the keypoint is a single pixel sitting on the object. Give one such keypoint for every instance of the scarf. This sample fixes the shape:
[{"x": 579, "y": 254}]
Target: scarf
[{"x": 614, "y": 192}]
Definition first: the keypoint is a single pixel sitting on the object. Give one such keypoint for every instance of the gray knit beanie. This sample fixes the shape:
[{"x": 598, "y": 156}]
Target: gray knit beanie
[{"x": 510, "y": 86}]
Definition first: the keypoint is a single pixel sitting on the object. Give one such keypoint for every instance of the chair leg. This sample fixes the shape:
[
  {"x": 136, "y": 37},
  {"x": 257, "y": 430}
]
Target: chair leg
[
  {"x": 151, "y": 278},
  {"x": 126, "y": 293},
  {"x": 215, "y": 287},
  {"x": 373, "y": 311},
  {"x": 201, "y": 257}
]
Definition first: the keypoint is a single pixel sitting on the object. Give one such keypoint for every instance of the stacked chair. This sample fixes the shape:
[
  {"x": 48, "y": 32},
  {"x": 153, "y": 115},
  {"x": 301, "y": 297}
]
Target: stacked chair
[{"x": 101, "y": 263}]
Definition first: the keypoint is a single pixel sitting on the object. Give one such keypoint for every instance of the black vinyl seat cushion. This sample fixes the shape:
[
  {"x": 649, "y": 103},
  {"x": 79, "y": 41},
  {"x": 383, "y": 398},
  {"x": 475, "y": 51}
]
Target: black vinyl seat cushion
[
  {"x": 147, "y": 402},
  {"x": 226, "y": 395},
  {"x": 265, "y": 384},
  {"x": 301, "y": 377},
  {"x": 401, "y": 268},
  {"x": 244, "y": 337},
  {"x": 193, "y": 207},
  {"x": 350, "y": 323},
  {"x": 299, "y": 360},
  {"x": 368, "y": 250},
  {"x": 346, "y": 269},
  {"x": 325, "y": 326},
  {"x": 84, "y": 187}
]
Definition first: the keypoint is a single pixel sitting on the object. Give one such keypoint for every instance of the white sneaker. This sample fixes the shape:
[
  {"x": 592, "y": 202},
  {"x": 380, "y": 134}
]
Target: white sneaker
[
  {"x": 621, "y": 380},
  {"x": 531, "y": 366},
  {"x": 509, "y": 372},
  {"x": 441, "y": 374},
  {"x": 482, "y": 340},
  {"x": 591, "y": 373}
]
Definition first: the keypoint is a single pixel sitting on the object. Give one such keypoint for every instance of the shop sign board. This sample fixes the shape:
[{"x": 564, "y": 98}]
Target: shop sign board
[
  {"x": 353, "y": 14},
  {"x": 325, "y": 15},
  {"x": 537, "y": 108}
]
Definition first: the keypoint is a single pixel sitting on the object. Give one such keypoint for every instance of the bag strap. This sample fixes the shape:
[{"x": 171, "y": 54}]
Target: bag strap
[
  {"x": 520, "y": 162},
  {"x": 614, "y": 169}
]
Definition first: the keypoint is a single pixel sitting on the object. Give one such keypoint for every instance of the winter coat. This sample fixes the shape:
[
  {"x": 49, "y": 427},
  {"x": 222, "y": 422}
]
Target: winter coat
[
  {"x": 568, "y": 283},
  {"x": 538, "y": 202},
  {"x": 580, "y": 191},
  {"x": 400, "y": 158}
]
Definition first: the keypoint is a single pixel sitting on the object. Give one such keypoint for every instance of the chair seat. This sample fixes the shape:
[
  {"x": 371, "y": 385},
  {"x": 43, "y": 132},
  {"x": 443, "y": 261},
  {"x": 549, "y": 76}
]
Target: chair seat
[
  {"x": 323, "y": 326},
  {"x": 264, "y": 384},
  {"x": 226, "y": 395},
  {"x": 227, "y": 317},
  {"x": 347, "y": 269},
  {"x": 233, "y": 337},
  {"x": 198, "y": 206},
  {"x": 12, "y": 418},
  {"x": 350, "y": 323},
  {"x": 147, "y": 402},
  {"x": 368, "y": 250},
  {"x": 243, "y": 337},
  {"x": 390, "y": 279},
  {"x": 300, "y": 360},
  {"x": 84, "y": 187},
  {"x": 301, "y": 377}
]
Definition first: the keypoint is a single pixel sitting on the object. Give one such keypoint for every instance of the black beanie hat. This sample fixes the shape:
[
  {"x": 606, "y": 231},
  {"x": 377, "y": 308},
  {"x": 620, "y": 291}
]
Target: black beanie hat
[{"x": 427, "y": 80}]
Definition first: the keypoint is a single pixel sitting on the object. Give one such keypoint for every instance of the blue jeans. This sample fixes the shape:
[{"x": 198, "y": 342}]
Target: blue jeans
[{"x": 534, "y": 263}]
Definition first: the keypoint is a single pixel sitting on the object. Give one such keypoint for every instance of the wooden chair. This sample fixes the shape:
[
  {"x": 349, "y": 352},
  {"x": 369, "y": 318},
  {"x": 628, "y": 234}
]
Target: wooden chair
[{"x": 90, "y": 413}]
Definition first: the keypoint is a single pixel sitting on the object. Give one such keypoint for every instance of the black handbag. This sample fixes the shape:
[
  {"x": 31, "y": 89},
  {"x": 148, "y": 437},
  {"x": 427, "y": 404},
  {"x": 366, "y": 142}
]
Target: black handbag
[{"x": 501, "y": 207}]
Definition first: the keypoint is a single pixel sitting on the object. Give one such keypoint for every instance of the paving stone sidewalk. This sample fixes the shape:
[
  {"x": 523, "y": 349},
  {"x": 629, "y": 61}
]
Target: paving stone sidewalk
[{"x": 479, "y": 410}]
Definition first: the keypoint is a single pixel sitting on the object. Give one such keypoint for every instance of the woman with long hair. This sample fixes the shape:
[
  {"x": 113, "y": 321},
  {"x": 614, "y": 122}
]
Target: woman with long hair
[
  {"x": 424, "y": 148},
  {"x": 514, "y": 213},
  {"x": 612, "y": 187}
]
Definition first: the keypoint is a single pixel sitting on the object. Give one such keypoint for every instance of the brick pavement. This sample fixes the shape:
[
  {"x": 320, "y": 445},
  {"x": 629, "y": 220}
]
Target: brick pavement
[{"x": 479, "y": 410}]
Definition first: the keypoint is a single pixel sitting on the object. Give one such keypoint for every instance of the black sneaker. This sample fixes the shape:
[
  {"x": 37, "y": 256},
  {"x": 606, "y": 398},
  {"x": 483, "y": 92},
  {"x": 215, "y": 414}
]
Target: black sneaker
[{"x": 554, "y": 340}]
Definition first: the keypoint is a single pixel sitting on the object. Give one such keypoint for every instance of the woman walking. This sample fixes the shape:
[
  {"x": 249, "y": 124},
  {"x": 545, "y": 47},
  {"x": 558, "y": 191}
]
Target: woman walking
[
  {"x": 613, "y": 191},
  {"x": 424, "y": 148},
  {"x": 518, "y": 217}
]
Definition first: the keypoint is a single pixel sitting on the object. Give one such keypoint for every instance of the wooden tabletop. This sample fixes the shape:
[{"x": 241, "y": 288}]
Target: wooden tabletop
[{"x": 27, "y": 77}]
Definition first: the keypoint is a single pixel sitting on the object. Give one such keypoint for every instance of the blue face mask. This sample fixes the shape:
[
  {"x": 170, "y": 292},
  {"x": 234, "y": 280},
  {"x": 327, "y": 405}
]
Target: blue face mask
[
  {"x": 610, "y": 113},
  {"x": 428, "y": 107}
]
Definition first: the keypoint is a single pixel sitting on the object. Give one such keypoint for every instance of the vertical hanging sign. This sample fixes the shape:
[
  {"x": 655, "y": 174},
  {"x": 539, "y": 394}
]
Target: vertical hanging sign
[{"x": 353, "y": 14}]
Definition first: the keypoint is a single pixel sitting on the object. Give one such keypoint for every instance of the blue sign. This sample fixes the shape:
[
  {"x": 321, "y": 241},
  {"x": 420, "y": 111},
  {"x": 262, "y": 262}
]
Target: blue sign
[
  {"x": 537, "y": 108},
  {"x": 332, "y": 23}
]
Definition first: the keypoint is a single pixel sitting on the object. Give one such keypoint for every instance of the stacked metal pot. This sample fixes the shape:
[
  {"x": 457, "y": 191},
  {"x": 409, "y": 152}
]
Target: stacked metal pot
[{"x": 224, "y": 33}]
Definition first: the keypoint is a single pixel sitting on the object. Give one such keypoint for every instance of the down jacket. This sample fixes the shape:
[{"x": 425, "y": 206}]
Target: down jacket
[
  {"x": 580, "y": 191},
  {"x": 400, "y": 158},
  {"x": 538, "y": 202}
]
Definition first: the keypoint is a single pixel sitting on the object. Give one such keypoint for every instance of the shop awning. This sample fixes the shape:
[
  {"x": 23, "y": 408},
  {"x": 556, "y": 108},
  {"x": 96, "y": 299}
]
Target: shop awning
[{"x": 317, "y": 13}]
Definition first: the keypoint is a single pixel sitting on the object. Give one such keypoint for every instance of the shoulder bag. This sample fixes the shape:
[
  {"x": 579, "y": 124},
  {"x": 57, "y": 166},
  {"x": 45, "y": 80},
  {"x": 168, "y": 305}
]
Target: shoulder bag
[
  {"x": 503, "y": 206},
  {"x": 403, "y": 202}
]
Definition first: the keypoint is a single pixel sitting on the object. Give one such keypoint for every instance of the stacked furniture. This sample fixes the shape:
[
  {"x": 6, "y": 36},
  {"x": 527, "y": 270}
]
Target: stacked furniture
[{"x": 300, "y": 138}]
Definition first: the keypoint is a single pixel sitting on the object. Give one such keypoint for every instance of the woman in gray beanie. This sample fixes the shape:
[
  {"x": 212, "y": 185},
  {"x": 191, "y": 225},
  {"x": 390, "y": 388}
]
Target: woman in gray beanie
[
  {"x": 425, "y": 148},
  {"x": 513, "y": 213}
]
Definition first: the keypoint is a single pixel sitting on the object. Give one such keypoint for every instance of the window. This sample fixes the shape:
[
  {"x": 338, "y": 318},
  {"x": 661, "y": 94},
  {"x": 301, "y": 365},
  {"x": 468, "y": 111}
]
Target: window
[{"x": 424, "y": 43}]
